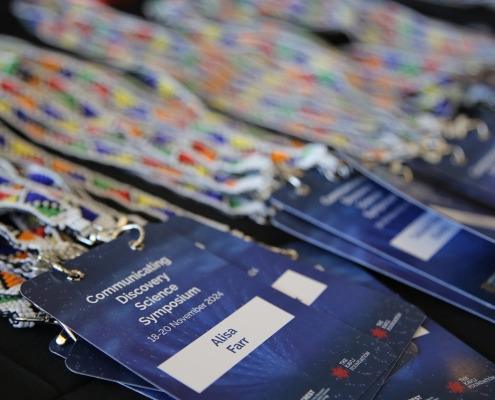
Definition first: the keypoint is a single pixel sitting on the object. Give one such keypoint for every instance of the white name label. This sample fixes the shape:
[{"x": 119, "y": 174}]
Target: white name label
[
  {"x": 300, "y": 287},
  {"x": 205, "y": 360},
  {"x": 425, "y": 236}
]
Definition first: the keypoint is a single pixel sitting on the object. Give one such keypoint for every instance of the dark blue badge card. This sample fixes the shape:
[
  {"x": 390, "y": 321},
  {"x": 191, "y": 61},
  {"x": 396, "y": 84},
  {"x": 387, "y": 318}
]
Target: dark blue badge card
[
  {"x": 386, "y": 318},
  {"x": 446, "y": 368},
  {"x": 409, "y": 354},
  {"x": 336, "y": 266},
  {"x": 368, "y": 215},
  {"x": 474, "y": 179},
  {"x": 334, "y": 244},
  {"x": 60, "y": 350},
  {"x": 200, "y": 329},
  {"x": 84, "y": 359},
  {"x": 473, "y": 216}
]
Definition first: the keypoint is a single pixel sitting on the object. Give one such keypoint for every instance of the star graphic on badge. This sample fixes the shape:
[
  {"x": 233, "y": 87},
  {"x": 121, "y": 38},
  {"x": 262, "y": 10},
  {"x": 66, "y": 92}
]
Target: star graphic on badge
[
  {"x": 456, "y": 387},
  {"x": 340, "y": 373},
  {"x": 379, "y": 333}
]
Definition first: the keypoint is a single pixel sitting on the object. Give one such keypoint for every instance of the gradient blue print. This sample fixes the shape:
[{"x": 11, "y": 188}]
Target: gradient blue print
[
  {"x": 351, "y": 303},
  {"x": 334, "y": 244},
  {"x": 300, "y": 356},
  {"x": 463, "y": 264},
  {"x": 475, "y": 179},
  {"x": 443, "y": 360}
]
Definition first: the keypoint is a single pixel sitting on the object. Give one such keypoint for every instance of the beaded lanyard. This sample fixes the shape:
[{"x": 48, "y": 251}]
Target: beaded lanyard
[
  {"x": 36, "y": 164},
  {"x": 317, "y": 124},
  {"x": 53, "y": 196},
  {"x": 439, "y": 97},
  {"x": 28, "y": 168},
  {"x": 318, "y": 14},
  {"x": 293, "y": 51},
  {"x": 376, "y": 21},
  {"x": 243, "y": 141},
  {"x": 385, "y": 67},
  {"x": 397, "y": 26},
  {"x": 418, "y": 56},
  {"x": 47, "y": 224},
  {"x": 42, "y": 223},
  {"x": 387, "y": 86}
]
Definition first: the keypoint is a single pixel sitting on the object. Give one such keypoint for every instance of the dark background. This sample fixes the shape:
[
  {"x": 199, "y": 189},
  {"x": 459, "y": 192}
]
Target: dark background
[{"x": 29, "y": 371}]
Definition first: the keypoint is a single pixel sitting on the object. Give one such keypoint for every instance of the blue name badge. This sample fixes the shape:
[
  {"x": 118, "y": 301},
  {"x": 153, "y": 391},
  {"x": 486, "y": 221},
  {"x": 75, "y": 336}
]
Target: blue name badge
[
  {"x": 445, "y": 368},
  {"x": 387, "y": 318},
  {"x": 473, "y": 216},
  {"x": 409, "y": 354},
  {"x": 369, "y": 307},
  {"x": 86, "y": 360},
  {"x": 368, "y": 215},
  {"x": 199, "y": 328},
  {"x": 336, "y": 265},
  {"x": 334, "y": 244},
  {"x": 476, "y": 178}
]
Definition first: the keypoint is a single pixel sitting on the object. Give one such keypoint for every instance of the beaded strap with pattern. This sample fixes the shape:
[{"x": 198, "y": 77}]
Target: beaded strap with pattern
[
  {"x": 305, "y": 107},
  {"x": 43, "y": 116}
]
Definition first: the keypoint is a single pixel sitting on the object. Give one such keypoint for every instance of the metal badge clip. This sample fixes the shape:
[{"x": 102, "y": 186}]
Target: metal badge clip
[{"x": 51, "y": 261}]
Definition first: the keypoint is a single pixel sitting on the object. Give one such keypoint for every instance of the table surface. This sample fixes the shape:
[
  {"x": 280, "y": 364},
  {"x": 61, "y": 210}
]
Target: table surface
[{"x": 29, "y": 371}]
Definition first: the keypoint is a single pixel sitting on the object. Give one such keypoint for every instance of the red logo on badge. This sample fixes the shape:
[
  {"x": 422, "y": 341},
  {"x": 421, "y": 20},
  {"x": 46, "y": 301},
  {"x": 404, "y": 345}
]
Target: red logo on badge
[
  {"x": 379, "y": 333},
  {"x": 456, "y": 387},
  {"x": 340, "y": 373}
]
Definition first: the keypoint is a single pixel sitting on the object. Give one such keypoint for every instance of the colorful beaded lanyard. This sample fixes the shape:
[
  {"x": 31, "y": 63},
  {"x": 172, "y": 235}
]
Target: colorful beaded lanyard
[
  {"x": 372, "y": 136},
  {"x": 376, "y": 21},
  {"x": 49, "y": 208},
  {"x": 41, "y": 223},
  {"x": 318, "y": 14},
  {"x": 388, "y": 87},
  {"x": 228, "y": 158},
  {"x": 399, "y": 48},
  {"x": 439, "y": 98}
]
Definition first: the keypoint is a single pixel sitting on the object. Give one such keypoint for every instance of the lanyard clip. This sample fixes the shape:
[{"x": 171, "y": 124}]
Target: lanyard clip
[
  {"x": 106, "y": 236},
  {"x": 52, "y": 261},
  {"x": 27, "y": 320}
]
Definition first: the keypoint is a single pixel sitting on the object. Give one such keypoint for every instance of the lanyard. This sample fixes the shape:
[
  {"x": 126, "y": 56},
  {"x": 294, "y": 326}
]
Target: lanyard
[
  {"x": 217, "y": 86},
  {"x": 48, "y": 104}
]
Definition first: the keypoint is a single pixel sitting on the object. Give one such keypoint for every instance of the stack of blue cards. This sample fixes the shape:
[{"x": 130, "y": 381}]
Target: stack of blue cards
[
  {"x": 201, "y": 314},
  {"x": 459, "y": 186},
  {"x": 474, "y": 176},
  {"x": 373, "y": 226}
]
